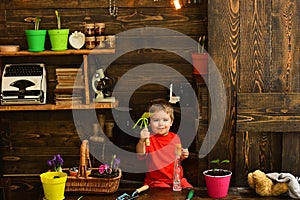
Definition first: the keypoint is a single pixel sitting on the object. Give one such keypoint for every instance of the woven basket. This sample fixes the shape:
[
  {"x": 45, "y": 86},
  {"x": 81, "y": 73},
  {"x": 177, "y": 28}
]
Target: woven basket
[{"x": 82, "y": 183}]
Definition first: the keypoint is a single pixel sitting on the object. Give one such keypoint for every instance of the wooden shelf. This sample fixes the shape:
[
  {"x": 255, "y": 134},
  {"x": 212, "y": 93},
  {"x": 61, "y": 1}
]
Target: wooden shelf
[
  {"x": 58, "y": 107},
  {"x": 57, "y": 53},
  {"x": 82, "y": 52}
]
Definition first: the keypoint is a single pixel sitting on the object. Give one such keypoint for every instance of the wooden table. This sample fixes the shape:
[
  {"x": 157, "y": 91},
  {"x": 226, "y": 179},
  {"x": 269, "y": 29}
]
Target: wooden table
[{"x": 167, "y": 194}]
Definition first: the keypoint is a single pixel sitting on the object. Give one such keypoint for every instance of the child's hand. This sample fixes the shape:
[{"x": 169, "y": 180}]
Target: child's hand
[
  {"x": 184, "y": 153},
  {"x": 144, "y": 134}
]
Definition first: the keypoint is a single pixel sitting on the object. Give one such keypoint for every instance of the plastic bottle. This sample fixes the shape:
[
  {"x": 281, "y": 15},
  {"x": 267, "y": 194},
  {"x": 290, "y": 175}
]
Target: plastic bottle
[{"x": 176, "y": 178}]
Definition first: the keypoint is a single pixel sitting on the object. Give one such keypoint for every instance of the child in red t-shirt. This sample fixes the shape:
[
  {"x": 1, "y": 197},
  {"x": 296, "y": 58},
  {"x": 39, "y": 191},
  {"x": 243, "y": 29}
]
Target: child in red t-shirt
[{"x": 160, "y": 154}]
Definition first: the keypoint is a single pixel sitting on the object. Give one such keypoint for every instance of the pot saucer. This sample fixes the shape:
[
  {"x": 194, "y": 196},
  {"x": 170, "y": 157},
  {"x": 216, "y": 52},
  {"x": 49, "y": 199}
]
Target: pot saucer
[{"x": 77, "y": 40}]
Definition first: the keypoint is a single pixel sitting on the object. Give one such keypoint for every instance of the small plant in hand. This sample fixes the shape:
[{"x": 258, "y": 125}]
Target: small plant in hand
[
  {"x": 108, "y": 171},
  {"x": 218, "y": 171}
]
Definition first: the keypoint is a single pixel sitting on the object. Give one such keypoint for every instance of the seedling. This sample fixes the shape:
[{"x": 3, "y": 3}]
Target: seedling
[
  {"x": 36, "y": 21},
  {"x": 201, "y": 43},
  {"x": 144, "y": 124},
  {"x": 219, "y": 163},
  {"x": 58, "y": 19},
  {"x": 218, "y": 171},
  {"x": 143, "y": 120}
]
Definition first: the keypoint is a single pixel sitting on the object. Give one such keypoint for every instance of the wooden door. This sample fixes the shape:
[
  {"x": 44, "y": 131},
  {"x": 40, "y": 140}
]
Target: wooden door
[{"x": 259, "y": 59}]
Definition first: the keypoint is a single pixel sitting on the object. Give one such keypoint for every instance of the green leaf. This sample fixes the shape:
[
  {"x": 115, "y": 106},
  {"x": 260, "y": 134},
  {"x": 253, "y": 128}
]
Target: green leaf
[
  {"x": 225, "y": 161},
  {"x": 217, "y": 161}
]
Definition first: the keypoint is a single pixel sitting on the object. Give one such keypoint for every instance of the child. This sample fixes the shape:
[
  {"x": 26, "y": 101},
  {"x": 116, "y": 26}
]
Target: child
[{"x": 160, "y": 154}]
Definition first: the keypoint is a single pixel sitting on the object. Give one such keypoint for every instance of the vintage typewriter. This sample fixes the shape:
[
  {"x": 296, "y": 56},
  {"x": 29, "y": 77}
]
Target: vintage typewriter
[{"x": 23, "y": 84}]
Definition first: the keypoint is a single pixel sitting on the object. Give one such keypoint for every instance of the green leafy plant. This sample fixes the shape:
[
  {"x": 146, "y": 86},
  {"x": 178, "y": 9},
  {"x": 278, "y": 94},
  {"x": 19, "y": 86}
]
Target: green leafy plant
[
  {"x": 219, "y": 171},
  {"x": 143, "y": 120},
  {"x": 219, "y": 162},
  {"x": 36, "y": 21},
  {"x": 58, "y": 19},
  {"x": 201, "y": 44}
]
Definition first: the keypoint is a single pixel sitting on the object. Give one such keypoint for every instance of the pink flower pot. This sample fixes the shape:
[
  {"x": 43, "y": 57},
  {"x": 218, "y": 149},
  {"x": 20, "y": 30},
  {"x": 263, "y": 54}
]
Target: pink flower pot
[{"x": 217, "y": 186}]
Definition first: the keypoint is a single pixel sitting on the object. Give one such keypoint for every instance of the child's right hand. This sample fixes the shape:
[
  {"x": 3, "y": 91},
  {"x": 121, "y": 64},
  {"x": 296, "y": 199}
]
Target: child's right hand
[{"x": 144, "y": 134}]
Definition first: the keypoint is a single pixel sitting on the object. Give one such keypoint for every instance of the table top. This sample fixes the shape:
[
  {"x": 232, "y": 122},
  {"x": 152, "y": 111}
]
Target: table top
[{"x": 168, "y": 194}]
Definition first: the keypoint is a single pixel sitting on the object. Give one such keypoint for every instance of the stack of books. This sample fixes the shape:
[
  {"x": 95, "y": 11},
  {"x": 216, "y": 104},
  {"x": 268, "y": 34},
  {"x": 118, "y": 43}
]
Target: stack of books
[{"x": 70, "y": 86}]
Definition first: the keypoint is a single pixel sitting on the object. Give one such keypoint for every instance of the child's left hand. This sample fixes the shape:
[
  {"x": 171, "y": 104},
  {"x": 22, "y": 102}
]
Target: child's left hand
[{"x": 184, "y": 153}]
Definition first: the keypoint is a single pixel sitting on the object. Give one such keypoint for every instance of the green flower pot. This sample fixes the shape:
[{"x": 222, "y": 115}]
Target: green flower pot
[
  {"x": 59, "y": 39},
  {"x": 36, "y": 40}
]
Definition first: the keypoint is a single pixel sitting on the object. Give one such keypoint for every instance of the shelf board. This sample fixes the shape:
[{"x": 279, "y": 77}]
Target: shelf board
[
  {"x": 58, "y": 107},
  {"x": 57, "y": 53}
]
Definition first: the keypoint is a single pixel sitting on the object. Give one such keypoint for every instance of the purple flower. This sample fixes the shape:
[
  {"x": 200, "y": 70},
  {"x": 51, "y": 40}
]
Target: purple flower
[
  {"x": 116, "y": 163},
  {"x": 59, "y": 160},
  {"x": 105, "y": 169},
  {"x": 56, "y": 162},
  {"x": 50, "y": 163}
]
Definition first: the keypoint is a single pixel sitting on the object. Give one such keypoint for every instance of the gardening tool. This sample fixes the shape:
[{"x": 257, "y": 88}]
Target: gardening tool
[
  {"x": 144, "y": 123},
  {"x": 134, "y": 195},
  {"x": 190, "y": 195}
]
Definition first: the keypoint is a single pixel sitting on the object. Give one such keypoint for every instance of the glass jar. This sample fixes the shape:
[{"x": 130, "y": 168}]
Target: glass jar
[
  {"x": 90, "y": 42},
  {"x": 99, "y": 29},
  {"x": 111, "y": 41},
  {"x": 100, "y": 41},
  {"x": 89, "y": 30}
]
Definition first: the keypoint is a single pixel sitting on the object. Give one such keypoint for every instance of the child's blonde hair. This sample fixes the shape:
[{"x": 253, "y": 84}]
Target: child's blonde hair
[{"x": 161, "y": 104}]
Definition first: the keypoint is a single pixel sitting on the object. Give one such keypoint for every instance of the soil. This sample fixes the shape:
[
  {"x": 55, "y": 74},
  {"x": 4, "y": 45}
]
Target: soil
[{"x": 218, "y": 172}]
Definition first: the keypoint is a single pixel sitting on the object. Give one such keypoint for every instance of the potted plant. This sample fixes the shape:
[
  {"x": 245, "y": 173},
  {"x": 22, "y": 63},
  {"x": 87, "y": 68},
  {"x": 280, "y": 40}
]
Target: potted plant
[
  {"x": 217, "y": 180},
  {"x": 58, "y": 37},
  {"x": 54, "y": 180},
  {"x": 36, "y": 37},
  {"x": 200, "y": 58}
]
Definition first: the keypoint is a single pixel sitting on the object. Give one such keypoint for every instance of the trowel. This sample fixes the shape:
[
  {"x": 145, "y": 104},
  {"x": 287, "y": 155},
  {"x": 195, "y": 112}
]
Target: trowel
[{"x": 134, "y": 195}]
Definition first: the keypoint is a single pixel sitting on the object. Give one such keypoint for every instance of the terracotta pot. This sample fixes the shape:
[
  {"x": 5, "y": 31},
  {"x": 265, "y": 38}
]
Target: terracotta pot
[{"x": 200, "y": 63}]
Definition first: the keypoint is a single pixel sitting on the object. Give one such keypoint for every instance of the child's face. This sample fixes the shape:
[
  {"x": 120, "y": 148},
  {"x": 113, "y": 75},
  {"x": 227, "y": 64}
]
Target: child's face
[{"x": 160, "y": 122}]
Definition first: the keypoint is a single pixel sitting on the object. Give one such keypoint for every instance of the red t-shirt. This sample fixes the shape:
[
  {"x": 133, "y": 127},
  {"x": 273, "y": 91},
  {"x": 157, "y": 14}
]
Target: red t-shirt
[{"x": 160, "y": 157}]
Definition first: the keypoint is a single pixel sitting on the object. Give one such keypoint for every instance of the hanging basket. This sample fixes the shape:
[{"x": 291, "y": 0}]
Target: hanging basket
[{"x": 82, "y": 183}]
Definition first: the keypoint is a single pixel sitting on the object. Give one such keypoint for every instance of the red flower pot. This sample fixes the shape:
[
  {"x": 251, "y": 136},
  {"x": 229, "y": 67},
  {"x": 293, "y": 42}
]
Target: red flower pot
[{"x": 200, "y": 63}]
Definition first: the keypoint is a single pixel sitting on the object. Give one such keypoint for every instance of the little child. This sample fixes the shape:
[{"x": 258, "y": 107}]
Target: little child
[{"x": 160, "y": 154}]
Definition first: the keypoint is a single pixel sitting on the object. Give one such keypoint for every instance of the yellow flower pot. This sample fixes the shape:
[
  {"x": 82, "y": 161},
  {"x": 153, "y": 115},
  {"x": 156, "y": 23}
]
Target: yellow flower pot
[{"x": 54, "y": 185}]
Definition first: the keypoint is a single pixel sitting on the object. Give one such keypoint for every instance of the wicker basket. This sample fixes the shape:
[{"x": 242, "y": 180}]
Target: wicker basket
[{"x": 82, "y": 183}]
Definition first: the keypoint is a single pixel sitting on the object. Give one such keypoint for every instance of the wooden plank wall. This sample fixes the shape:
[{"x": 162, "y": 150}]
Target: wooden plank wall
[
  {"x": 224, "y": 48},
  {"x": 25, "y": 150},
  {"x": 268, "y": 93},
  {"x": 255, "y": 46}
]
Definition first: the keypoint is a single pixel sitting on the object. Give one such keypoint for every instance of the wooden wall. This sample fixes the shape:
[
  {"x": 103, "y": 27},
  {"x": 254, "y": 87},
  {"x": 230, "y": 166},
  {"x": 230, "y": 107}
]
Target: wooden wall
[
  {"x": 258, "y": 54},
  {"x": 30, "y": 138},
  {"x": 254, "y": 45}
]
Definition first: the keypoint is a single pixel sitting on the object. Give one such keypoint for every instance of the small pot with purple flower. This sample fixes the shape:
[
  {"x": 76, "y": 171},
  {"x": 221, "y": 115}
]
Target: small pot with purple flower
[{"x": 54, "y": 180}]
